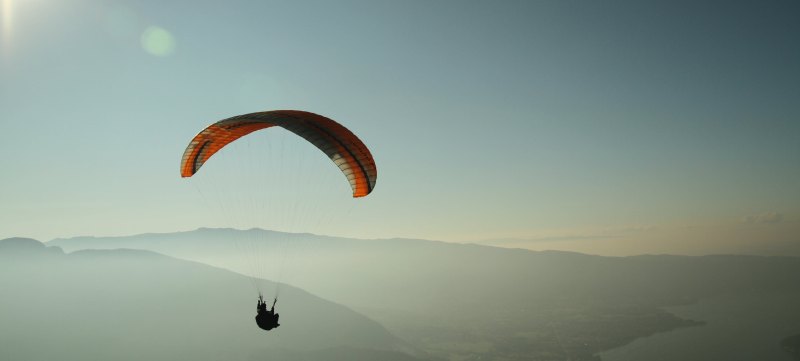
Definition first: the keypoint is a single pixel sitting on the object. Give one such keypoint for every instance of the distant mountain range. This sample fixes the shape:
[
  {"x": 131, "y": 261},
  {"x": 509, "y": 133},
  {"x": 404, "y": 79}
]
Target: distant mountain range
[
  {"x": 551, "y": 304},
  {"x": 129, "y": 304},
  {"x": 407, "y": 274}
]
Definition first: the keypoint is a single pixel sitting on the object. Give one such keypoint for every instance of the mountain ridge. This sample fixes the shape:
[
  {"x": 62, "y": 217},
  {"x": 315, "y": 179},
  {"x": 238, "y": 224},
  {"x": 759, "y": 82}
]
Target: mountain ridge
[
  {"x": 430, "y": 292},
  {"x": 140, "y": 292}
]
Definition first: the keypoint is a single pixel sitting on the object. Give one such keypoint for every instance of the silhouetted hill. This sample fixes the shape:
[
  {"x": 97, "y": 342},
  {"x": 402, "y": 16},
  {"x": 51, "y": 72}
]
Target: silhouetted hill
[
  {"x": 18, "y": 245},
  {"x": 138, "y": 305}
]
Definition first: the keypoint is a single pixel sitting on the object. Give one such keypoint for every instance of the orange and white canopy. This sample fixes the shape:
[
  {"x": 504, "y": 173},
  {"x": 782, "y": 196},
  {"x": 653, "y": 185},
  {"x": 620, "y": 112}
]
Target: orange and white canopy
[{"x": 337, "y": 142}]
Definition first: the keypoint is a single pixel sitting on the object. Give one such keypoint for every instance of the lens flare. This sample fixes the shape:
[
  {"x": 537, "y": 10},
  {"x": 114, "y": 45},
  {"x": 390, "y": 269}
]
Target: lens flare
[{"x": 158, "y": 41}]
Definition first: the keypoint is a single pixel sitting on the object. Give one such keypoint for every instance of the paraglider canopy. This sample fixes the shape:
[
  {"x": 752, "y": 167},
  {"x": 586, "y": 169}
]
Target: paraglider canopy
[{"x": 337, "y": 142}]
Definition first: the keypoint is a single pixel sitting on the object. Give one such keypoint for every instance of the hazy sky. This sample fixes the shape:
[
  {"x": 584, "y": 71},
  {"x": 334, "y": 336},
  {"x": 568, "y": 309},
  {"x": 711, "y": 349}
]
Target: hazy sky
[{"x": 611, "y": 127}]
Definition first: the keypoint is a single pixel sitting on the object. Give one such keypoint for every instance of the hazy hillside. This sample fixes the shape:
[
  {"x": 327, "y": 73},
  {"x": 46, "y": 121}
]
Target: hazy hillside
[
  {"x": 417, "y": 275},
  {"x": 470, "y": 301},
  {"x": 138, "y": 305}
]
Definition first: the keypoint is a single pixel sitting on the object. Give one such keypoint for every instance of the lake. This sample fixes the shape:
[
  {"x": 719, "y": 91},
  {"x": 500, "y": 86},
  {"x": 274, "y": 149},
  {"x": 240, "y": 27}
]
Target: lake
[{"x": 746, "y": 328}]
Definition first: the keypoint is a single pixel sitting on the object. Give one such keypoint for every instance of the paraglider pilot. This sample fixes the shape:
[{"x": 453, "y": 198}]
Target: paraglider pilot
[{"x": 266, "y": 320}]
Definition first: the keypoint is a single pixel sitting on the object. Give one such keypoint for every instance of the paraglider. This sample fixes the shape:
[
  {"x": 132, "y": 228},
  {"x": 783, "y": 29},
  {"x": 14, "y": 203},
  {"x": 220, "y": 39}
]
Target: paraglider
[
  {"x": 346, "y": 151},
  {"x": 265, "y": 319}
]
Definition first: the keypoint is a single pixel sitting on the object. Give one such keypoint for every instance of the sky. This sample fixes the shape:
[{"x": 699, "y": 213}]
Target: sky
[{"x": 613, "y": 127}]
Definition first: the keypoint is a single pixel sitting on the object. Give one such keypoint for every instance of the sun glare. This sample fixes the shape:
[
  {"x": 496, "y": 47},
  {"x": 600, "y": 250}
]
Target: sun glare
[{"x": 6, "y": 11}]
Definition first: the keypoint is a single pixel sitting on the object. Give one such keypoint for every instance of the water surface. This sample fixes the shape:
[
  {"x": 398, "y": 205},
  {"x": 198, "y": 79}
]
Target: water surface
[{"x": 746, "y": 328}]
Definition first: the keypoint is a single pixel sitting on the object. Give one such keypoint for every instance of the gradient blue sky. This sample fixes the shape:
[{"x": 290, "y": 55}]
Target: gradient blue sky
[{"x": 611, "y": 127}]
